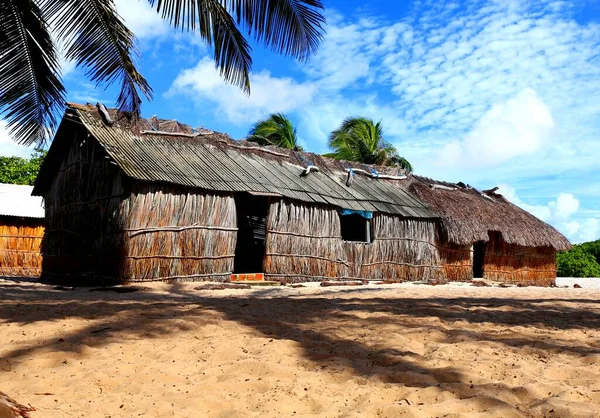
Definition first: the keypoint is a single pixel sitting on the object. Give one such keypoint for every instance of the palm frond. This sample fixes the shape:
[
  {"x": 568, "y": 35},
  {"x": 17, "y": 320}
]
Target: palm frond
[
  {"x": 290, "y": 27},
  {"x": 97, "y": 39},
  {"x": 361, "y": 140},
  {"x": 218, "y": 29},
  {"x": 277, "y": 130},
  {"x": 31, "y": 93}
]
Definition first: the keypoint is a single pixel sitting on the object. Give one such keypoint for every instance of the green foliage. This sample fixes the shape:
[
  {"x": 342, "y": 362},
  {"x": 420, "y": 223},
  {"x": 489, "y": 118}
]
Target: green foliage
[
  {"x": 582, "y": 260},
  {"x": 96, "y": 38},
  {"x": 17, "y": 170},
  {"x": 277, "y": 130},
  {"x": 593, "y": 248},
  {"x": 361, "y": 140}
]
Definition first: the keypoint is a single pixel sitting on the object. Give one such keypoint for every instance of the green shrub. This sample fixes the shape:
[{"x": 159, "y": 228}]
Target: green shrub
[{"x": 580, "y": 261}]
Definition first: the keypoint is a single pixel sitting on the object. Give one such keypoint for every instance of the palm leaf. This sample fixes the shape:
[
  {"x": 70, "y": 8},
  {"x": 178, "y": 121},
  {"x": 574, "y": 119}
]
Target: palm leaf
[
  {"x": 218, "y": 29},
  {"x": 289, "y": 27},
  {"x": 361, "y": 140},
  {"x": 277, "y": 130},
  {"x": 97, "y": 39},
  {"x": 32, "y": 94}
]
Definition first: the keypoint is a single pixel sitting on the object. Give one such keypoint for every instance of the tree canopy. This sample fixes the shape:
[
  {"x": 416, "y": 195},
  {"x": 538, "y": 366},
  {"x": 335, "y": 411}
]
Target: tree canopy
[
  {"x": 361, "y": 140},
  {"x": 17, "y": 170},
  {"x": 277, "y": 130},
  {"x": 583, "y": 260},
  {"x": 97, "y": 40}
]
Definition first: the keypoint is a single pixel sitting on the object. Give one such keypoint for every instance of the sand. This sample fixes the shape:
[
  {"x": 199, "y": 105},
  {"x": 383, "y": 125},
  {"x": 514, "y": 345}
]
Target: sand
[{"x": 378, "y": 351}]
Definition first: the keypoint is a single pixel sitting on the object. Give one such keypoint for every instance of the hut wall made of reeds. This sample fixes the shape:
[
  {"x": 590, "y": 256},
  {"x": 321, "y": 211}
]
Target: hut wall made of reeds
[
  {"x": 531, "y": 266},
  {"x": 304, "y": 243},
  {"x": 457, "y": 261},
  {"x": 402, "y": 249},
  {"x": 172, "y": 233},
  {"x": 20, "y": 240},
  {"x": 104, "y": 228},
  {"x": 82, "y": 241}
]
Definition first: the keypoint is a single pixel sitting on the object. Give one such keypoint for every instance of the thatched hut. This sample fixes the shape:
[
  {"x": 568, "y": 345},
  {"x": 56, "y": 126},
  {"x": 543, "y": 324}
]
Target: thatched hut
[
  {"x": 484, "y": 235},
  {"x": 162, "y": 201},
  {"x": 21, "y": 231}
]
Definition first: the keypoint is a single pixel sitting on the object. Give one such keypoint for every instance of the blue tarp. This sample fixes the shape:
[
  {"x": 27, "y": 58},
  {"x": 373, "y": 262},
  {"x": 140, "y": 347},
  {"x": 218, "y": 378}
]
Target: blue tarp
[{"x": 364, "y": 213}]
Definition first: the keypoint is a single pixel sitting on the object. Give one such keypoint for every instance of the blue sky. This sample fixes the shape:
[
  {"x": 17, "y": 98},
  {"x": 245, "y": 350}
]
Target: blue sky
[{"x": 489, "y": 92}]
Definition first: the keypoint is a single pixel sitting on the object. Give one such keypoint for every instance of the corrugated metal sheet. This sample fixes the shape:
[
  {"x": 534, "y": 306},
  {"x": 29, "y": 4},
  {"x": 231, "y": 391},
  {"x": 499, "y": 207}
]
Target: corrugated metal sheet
[
  {"x": 17, "y": 201},
  {"x": 203, "y": 163}
]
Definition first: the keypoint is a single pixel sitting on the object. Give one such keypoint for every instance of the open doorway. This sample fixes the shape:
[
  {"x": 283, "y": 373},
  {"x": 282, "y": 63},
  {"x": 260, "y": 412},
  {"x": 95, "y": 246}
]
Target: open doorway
[
  {"x": 252, "y": 214},
  {"x": 478, "y": 259}
]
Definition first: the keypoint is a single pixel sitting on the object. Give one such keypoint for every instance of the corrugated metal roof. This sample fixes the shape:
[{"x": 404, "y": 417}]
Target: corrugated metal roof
[
  {"x": 17, "y": 201},
  {"x": 213, "y": 164}
]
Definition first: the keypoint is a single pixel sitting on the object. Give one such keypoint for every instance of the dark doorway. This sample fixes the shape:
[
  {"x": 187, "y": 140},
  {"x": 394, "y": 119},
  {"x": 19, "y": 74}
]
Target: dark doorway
[
  {"x": 478, "y": 258},
  {"x": 252, "y": 214}
]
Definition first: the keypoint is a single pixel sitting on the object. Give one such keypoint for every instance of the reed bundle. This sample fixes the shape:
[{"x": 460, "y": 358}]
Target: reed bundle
[
  {"x": 457, "y": 262},
  {"x": 520, "y": 265},
  {"x": 20, "y": 241},
  {"x": 82, "y": 241},
  {"x": 171, "y": 233},
  {"x": 303, "y": 243},
  {"x": 403, "y": 249}
]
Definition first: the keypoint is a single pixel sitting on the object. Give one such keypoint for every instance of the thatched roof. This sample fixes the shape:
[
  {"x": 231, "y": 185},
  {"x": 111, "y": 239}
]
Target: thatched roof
[
  {"x": 17, "y": 201},
  {"x": 160, "y": 150},
  {"x": 469, "y": 214}
]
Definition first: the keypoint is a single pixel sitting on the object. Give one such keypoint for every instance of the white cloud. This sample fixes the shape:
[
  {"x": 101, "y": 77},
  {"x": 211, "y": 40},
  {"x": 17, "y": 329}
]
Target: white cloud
[
  {"x": 141, "y": 19},
  {"x": 269, "y": 94},
  {"x": 518, "y": 126},
  {"x": 560, "y": 213},
  {"x": 8, "y": 147},
  {"x": 590, "y": 230},
  {"x": 564, "y": 207}
]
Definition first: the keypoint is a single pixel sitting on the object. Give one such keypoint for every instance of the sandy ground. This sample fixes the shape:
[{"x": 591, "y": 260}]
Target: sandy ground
[{"x": 389, "y": 351}]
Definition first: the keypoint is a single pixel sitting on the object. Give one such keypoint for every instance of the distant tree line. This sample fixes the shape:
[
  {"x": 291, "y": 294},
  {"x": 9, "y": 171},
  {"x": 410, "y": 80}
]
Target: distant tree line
[
  {"x": 17, "y": 170},
  {"x": 583, "y": 260}
]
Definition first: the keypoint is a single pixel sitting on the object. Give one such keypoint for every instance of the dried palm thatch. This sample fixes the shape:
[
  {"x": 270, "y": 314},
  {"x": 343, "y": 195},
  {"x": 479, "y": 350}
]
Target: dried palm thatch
[
  {"x": 82, "y": 242},
  {"x": 517, "y": 264},
  {"x": 20, "y": 240},
  {"x": 520, "y": 248},
  {"x": 468, "y": 215}
]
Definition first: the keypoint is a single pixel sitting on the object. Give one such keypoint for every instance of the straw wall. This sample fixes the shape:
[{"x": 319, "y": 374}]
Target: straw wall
[
  {"x": 82, "y": 241},
  {"x": 304, "y": 243},
  {"x": 403, "y": 249},
  {"x": 534, "y": 266},
  {"x": 20, "y": 240},
  {"x": 175, "y": 234},
  {"x": 457, "y": 261}
]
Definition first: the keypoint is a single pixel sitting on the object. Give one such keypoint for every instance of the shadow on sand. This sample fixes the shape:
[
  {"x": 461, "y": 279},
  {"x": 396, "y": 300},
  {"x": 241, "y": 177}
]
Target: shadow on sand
[{"x": 338, "y": 329}]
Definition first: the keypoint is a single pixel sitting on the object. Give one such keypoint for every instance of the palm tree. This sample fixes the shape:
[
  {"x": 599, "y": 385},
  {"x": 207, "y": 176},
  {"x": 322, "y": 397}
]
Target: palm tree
[
  {"x": 95, "y": 37},
  {"x": 361, "y": 140},
  {"x": 277, "y": 130}
]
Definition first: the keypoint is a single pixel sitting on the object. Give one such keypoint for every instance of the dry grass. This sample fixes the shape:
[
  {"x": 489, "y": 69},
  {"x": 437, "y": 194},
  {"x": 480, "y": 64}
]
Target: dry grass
[{"x": 20, "y": 241}]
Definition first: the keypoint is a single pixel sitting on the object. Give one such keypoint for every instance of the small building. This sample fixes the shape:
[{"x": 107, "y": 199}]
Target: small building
[
  {"x": 483, "y": 235},
  {"x": 21, "y": 231},
  {"x": 158, "y": 200},
  {"x": 163, "y": 201}
]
